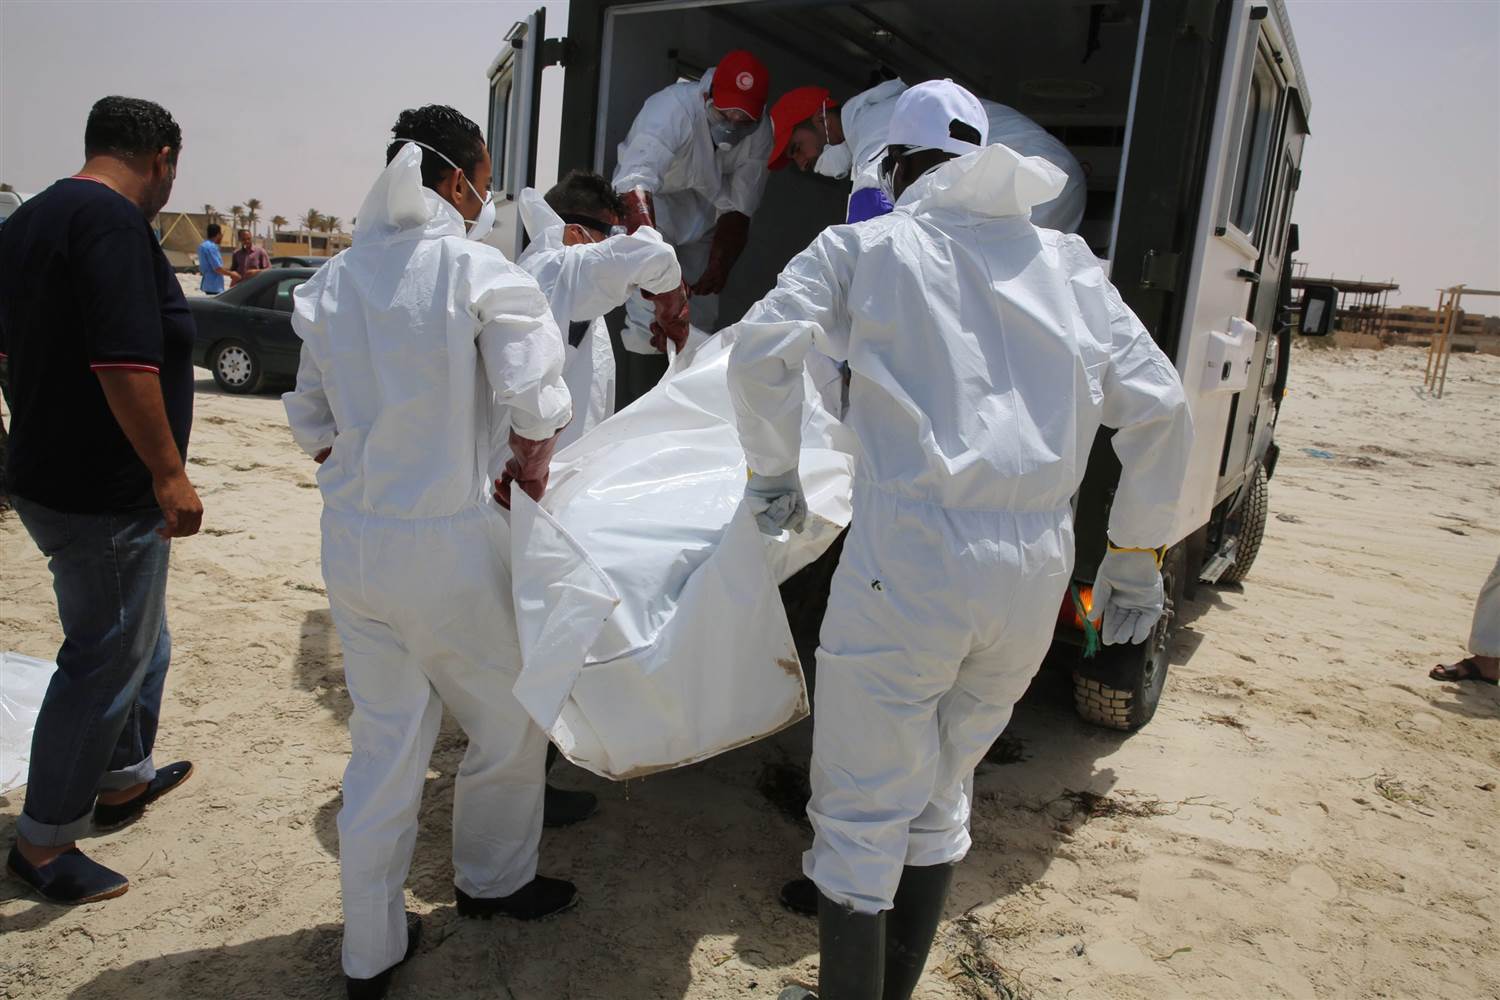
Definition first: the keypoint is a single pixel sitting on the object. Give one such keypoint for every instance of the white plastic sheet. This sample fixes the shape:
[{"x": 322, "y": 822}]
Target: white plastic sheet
[
  {"x": 23, "y": 682},
  {"x": 696, "y": 657}
]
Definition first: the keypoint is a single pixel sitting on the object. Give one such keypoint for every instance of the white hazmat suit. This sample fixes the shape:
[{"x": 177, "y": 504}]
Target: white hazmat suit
[
  {"x": 866, "y": 117},
  {"x": 669, "y": 152},
  {"x": 583, "y": 282},
  {"x": 421, "y": 351},
  {"x": 986, "y": 353}
]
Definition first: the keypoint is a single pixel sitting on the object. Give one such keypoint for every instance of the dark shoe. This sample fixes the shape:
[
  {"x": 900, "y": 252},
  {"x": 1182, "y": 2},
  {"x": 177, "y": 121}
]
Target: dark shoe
[
  {"x": 110, "y": 817},
  {"x": 796, "y": 993},
  {"x": 801, "y": 897},
  {"x": 911, "y": 924},
  {"x": 851, "y": 948},
  {"x": 541, "y": 897},
  {"x": 376, "y": 986},
  {"x": 561, "y": 807},
  {"x": 70, "y": 878}
]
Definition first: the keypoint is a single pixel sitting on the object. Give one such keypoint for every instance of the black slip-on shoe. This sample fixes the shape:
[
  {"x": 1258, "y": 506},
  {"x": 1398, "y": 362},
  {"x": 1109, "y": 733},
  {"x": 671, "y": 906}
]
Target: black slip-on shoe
[
  {"x": 70, "y": 878},
  {"x": 110, "y": 817},
  {"x": 562, "y": 807},
  {"x": 541, "y": 897},
  {"x": 801, "y": 897},
  {"x": 376, "y": 987}
]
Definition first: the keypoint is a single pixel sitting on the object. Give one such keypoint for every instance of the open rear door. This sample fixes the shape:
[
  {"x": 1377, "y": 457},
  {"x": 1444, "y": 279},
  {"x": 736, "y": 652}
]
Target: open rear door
[{"x": 515, "y": 116}]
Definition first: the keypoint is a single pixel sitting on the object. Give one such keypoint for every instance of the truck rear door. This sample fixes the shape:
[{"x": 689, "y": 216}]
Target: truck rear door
[{"x": 514, "y": 118}]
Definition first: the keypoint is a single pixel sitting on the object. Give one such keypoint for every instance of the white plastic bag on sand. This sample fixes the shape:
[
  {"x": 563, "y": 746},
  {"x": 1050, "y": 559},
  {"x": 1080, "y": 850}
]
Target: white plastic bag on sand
[
  {"x": 645, "y": 510},
  {"x": 23, "y": 682}
]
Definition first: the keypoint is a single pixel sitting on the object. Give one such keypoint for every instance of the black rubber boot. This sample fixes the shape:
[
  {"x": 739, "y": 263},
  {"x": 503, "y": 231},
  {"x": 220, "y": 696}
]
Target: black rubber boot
[
  {"x": 801, "y": 897},
  {"x": 851, "y": 948},
  {"x": 911, "y": 924},
  {"x": 376, "y": 987},
  {"x": 564, "y": 807}
]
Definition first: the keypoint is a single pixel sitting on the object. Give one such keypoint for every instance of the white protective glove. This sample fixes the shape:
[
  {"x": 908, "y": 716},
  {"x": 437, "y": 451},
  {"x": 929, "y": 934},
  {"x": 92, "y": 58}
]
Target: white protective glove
[
  {"x": 777, "y": 502},
  {"x": 1128, "y": 598}
]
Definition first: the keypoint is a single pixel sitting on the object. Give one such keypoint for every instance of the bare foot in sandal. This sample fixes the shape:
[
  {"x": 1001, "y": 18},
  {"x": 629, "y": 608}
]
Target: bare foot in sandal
[{"x": 1484, "y": 669}]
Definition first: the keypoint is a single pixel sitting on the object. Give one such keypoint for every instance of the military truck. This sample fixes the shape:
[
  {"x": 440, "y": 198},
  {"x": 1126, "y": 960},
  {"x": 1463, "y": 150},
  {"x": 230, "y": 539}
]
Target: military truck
[{"x": 1189, "y": 117}]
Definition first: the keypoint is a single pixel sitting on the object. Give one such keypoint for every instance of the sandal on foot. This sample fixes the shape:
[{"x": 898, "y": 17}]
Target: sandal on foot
[{"x": 1466, "y": 669}]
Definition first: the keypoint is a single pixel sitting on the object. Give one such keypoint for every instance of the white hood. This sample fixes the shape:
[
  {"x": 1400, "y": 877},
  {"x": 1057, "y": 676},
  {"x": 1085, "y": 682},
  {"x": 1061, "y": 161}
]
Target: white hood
[
  {"x": 995, "y": 181},
  {"x": 399, "y": 204},
  {"x": 543, "y": 225}
]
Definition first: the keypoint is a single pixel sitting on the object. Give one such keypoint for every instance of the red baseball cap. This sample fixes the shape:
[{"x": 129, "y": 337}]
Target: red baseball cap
[
  {"x": 741, "y": 82},
  {"x": 790, "y": 110}
]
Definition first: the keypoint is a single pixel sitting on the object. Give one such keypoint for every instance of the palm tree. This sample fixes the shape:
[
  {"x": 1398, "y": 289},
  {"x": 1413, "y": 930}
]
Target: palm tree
[
  {"x": 252, "y": 213},
  {"x": 236, "y": 213},
  {"x": 331, "y": 224},
  {"x": 311, "y": 219},
  {"x": 210, "y": 216},
  {"x": 278, "y": 222}
]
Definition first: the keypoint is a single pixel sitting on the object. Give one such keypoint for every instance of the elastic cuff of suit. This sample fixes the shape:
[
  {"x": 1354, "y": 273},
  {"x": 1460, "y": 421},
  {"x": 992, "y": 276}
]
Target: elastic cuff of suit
[{"x": 1159, "y": 553}]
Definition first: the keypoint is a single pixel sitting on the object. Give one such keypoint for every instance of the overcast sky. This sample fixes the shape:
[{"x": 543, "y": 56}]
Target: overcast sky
[{"x": 291, "y": 101}]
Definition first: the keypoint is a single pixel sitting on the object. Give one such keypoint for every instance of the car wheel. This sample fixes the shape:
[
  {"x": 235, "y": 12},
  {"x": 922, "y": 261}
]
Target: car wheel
[
  {"x": 1122, "y": 685},
  {"x": 1252, "y": 528},
  {"x": 236, "y": 367}
]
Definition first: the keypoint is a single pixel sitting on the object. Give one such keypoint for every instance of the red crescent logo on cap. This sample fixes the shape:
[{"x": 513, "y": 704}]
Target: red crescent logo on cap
[{"x": 745, "y": 80}]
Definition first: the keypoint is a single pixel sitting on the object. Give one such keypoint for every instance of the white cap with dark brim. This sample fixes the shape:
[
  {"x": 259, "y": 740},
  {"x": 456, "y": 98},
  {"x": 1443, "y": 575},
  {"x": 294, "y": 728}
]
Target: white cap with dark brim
[{"x": 939, "y": 114}]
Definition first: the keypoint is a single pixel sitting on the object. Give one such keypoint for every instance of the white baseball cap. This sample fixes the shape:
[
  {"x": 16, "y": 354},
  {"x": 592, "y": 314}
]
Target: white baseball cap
[{"x": 939, "y": 114}]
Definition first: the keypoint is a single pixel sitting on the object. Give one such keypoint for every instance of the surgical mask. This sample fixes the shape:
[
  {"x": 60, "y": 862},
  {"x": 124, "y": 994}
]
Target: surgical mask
[
  {"x": 481, "y": 225},
  {"x": 835, "y": 161},
  {"x": 727, "y": 134}
]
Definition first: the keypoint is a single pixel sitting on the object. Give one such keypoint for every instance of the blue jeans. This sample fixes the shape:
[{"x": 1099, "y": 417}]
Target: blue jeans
[{"x": 97, "y": 723}]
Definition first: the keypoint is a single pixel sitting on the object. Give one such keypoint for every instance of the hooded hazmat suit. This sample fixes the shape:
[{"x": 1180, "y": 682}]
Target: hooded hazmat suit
[
  {"x": 583, "y": 282},
  {"x": 987, "y": 353},
  {"x": 669, "y": 152},
  {"x": 866, "y": 117},
  {"x": 421, "y": 351}
]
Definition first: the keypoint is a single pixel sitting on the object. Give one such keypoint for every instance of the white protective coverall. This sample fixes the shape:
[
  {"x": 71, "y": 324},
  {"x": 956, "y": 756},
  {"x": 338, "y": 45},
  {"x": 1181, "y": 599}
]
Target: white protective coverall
[
  {"x": 421, "y": 350},
  {"x": 986, "y": 353},
  {"x": 866, "y": 117},
  {"x": 669, "y": 152},
  {"x": 582, "y": 283}
]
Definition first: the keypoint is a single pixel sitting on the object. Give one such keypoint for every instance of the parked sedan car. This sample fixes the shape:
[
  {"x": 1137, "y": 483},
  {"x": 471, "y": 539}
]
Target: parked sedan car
[{"x": 245, "y": 335}]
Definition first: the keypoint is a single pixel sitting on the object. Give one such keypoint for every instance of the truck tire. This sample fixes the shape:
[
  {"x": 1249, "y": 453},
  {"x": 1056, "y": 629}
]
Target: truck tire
[
  {"x": 1252, "y": 519},
  {"x": 1120, "y": 687}
]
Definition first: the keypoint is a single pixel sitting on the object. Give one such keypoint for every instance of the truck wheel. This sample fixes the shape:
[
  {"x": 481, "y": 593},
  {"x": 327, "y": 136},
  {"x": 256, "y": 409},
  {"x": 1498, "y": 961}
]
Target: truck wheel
[
  {"x": 1120, "y": 687},
  {"x": 236, "y": 367},
  {"x": 1252, "y": 518}
]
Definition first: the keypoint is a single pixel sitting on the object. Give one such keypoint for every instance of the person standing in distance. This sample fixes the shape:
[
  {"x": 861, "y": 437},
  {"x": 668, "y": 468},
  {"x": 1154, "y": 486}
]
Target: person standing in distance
[
  {"x": 211, "y": 269},
  {"x": 100, "y": 343}
]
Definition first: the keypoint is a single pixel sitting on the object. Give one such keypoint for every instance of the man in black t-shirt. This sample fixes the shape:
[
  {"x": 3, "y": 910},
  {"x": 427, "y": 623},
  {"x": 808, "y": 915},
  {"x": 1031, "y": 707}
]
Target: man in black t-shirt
[{"x": 99, "y": 344}]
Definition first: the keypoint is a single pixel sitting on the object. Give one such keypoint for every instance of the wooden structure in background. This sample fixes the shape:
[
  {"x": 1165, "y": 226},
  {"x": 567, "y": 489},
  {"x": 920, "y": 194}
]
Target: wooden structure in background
[{"x": 1440, "y": 350}]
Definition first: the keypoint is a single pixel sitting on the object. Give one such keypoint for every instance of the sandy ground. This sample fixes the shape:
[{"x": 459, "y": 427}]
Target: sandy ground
[{"x": 1307, "y": 816}]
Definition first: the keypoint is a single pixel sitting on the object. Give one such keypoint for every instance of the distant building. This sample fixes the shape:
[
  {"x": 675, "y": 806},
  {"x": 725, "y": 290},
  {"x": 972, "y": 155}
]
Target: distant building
[
  {"x": 306, "y": 243},
  {"x": 181, "y": 233}
]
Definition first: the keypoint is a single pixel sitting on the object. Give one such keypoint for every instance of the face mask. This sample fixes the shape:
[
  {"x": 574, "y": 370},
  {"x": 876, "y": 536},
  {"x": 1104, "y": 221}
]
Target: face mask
[
  {"x": 835, "y": 161},
  {"x": 480, "y": 227},
  {"x": 727, "y": 134}
]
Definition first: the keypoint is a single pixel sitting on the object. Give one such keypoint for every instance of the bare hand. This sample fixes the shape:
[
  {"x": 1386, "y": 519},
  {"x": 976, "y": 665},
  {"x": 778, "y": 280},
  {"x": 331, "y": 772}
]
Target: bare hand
[{"x": 180, "y": 506}]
